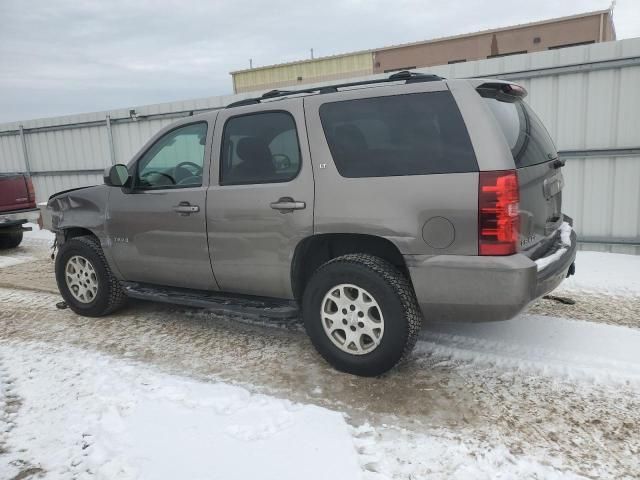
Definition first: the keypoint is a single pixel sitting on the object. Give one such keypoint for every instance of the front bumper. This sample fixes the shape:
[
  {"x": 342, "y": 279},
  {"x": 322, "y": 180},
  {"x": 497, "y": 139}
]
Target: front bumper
[
  {"x": 18, "y": 218},
  {"x": 479, "y": 289}
]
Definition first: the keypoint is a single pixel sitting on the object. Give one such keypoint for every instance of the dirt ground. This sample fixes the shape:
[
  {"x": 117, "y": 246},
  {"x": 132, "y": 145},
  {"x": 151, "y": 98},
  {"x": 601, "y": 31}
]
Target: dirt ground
[{"x": 588, "y": 428}]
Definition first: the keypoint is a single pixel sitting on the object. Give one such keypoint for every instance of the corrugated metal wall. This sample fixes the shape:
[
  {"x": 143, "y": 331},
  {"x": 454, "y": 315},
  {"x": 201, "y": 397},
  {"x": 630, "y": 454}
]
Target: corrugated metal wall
[
  {"x": 588, "y": 96},
  {"x": 592, "y": 112}
]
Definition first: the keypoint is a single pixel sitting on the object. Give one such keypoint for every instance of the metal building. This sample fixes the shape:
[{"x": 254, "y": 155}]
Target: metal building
[
  {"x": 581, "y": 29},
  {"x": 303, "y": 72},
  {"x": 588, "y": 96}
]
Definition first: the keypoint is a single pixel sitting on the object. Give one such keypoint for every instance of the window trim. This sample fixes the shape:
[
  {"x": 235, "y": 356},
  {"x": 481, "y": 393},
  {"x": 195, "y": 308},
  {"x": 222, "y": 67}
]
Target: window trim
[
  {"x": 136, "y": 188},
  {"x": 569, "y": 45},
  {"x": 264, "y": 182},
  {"x": 508, "y": 54}
]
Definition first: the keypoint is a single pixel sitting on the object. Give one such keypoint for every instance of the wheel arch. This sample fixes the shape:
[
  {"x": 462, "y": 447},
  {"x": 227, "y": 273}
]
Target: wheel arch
[
  {"x": 72, "y": 232},
  {"x": 315, "y": 250},
  {"x": 64, "y": 234}
]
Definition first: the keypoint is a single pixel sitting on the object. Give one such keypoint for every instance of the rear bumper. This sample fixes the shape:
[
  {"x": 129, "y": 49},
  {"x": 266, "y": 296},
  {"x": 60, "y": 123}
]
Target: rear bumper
[
  {"x": 19, "y": 217},
  {"x": 480, "y": 289}
]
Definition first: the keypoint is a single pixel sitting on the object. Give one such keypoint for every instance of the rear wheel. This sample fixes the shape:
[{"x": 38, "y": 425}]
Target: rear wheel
[
  {"x": 361, "y": 314},
  {"x": 85, "y": 280},
  {"x": 10, "y": 238}
]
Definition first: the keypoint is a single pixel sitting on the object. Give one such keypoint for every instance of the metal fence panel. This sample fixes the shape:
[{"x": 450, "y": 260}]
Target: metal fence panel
[
  {"x": 128, "y": 138},
  {"x": 45, "y": 185},
  {"x": 587, "y": 96},
  {"x": 69, "y": 149},
  {"x": 11, "y": 154}
]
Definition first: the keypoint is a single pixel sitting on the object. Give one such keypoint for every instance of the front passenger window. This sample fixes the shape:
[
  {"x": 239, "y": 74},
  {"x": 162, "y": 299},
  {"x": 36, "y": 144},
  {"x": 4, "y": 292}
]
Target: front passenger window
[{"x": 175, "y": 160}]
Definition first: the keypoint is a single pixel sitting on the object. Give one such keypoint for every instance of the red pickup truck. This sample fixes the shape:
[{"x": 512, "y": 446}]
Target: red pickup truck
[{"x": 17, "y": 207}]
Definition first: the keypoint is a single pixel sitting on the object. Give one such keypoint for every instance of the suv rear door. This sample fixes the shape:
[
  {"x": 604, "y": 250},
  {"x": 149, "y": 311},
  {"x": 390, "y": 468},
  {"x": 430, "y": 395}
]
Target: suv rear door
[
  {"x": 539, "y": 169},
  {"x": 261, "y": 199}
]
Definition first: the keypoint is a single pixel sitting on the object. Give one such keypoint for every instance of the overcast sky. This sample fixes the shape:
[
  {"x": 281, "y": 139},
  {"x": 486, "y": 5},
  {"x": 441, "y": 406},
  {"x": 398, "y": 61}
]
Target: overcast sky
[{"x": 62, "y": 57}]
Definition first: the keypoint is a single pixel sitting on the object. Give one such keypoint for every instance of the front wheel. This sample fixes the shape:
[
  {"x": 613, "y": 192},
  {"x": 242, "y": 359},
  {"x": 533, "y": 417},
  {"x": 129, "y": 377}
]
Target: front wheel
[
  {"x": 361, "y": 314},
  {"x": 85, "y": 280}
]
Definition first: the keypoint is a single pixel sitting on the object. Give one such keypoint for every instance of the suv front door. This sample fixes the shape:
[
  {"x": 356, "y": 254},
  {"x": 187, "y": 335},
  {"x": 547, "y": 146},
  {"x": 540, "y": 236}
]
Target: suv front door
[
  {"x": 157, "y": 227},
  {"x": 260, "y": 202}
]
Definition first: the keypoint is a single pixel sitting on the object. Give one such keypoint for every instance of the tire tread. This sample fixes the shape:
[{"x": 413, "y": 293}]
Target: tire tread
[
  {"x": 399, "y": 283},
  {"x": 116, "y": 296}
]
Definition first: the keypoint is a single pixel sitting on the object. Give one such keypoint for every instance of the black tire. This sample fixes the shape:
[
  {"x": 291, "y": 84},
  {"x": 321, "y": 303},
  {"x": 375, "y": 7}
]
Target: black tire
[
  {"x": 109, "y": 296},
  {"x": 395, "y": 297},
  {"x": 10, "y": 238}
]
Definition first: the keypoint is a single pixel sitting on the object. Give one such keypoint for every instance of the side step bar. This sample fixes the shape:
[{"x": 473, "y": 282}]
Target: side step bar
[{"x": 216, "y": 302}]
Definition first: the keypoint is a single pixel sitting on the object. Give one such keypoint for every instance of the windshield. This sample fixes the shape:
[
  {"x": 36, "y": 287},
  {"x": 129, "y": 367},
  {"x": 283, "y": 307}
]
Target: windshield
[{"x": 527, "y": 137}]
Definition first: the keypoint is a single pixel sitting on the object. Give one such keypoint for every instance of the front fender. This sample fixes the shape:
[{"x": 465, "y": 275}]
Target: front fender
[{"x": 82, "y": 210}]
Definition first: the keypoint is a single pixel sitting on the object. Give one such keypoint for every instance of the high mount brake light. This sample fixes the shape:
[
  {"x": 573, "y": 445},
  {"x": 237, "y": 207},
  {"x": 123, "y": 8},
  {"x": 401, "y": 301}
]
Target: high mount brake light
[
  {"x": 498, "y": 213},
  {"x": 504, "y": 92}
]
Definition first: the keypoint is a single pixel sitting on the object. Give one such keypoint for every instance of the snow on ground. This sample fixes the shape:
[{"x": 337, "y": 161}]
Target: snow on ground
[
  {"x": 84, "y": 415},
  {"x": 444, "y": 455},
  {"x": 10, "y": 260},
  {"x": 72, "y": 414},
  {"x": 555, "y": 346},
  {"x": 24, "y": 254},
  {"x": 605, "y": 273},
  {"x": 38, "y": 235}
]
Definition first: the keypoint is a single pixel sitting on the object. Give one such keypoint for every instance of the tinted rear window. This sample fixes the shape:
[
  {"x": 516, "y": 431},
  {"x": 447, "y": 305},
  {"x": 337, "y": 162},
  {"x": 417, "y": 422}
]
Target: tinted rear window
[
  {"x": 414, "y": 134},
  {"x": 527, "y": 137}
]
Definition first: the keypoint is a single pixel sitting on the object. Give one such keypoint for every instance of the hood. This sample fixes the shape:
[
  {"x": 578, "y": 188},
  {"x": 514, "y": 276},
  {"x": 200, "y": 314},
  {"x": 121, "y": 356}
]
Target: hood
[{"x": 70, "y": 190}]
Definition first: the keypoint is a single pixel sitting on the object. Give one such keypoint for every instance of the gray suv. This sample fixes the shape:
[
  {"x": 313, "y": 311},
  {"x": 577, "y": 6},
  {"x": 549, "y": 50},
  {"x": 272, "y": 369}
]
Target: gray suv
[{"x": 367, "y": 207}]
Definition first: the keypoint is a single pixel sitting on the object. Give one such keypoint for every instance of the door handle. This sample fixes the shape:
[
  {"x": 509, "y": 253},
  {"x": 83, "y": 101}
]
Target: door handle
[
  {"x": 185, "y": 208},
  {"x": 287, "y": 204}
]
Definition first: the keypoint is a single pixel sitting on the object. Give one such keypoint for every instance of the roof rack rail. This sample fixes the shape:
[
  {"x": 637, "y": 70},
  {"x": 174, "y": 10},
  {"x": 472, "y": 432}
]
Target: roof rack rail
[{"x": 405, "y": 75}]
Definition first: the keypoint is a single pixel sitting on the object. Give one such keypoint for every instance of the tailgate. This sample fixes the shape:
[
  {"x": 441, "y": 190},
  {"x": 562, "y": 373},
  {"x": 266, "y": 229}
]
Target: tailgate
[
  {"x": 540, "y": 203},
  {"x": 14, "y": 193},
  {"x": 539, "y": 172}
]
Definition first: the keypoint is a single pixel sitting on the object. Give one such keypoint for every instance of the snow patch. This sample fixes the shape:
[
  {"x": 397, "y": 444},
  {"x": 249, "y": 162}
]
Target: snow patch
[
  {"x": 605, "y": 273},
  {"x": 553, "y": 346},
  {"x": 85, "y": 415},
  {"x": 37, "y": 235},
  {"x": 397, "y": 453},
  {"x": 7, "y": 261}
]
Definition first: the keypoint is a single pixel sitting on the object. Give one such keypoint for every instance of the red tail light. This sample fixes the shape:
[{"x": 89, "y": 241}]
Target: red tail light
[
  {"x": 31, "y": 193},
  {"x": 498, "y": 215}
]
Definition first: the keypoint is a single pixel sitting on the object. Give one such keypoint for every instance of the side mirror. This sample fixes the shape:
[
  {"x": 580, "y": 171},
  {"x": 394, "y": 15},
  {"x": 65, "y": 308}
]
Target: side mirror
[{"x": 117, "y": 176}]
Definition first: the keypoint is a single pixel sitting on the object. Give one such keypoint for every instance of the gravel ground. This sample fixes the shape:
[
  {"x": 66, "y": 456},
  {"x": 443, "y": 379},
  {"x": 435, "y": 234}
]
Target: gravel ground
[{"x": 585, "y": 427}]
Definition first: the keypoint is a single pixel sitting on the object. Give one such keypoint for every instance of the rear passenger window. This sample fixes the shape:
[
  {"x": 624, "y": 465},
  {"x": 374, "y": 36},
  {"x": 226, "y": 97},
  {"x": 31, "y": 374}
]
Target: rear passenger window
[
  {"x": 414, "y": 134},
  {"x": 259, "y": 148}
]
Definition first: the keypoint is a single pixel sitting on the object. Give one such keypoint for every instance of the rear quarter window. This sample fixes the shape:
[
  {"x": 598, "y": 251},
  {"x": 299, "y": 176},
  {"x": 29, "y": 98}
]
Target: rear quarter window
[
  {"x": 413, "y": 134},
  {"x": 526, "y": 135}
]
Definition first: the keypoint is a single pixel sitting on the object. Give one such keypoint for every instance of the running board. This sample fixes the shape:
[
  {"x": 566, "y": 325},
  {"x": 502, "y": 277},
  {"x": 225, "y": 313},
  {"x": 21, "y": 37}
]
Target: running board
[{"x": 216, "y": 302}]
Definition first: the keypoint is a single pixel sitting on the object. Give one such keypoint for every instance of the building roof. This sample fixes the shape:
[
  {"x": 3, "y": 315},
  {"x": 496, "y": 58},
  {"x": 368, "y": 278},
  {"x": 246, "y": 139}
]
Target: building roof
[{"x": 433, "y": 40}]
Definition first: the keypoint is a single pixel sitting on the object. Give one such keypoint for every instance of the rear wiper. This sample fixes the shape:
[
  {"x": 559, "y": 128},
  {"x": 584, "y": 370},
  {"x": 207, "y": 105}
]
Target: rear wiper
[{"x": 557, "y": 161}]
